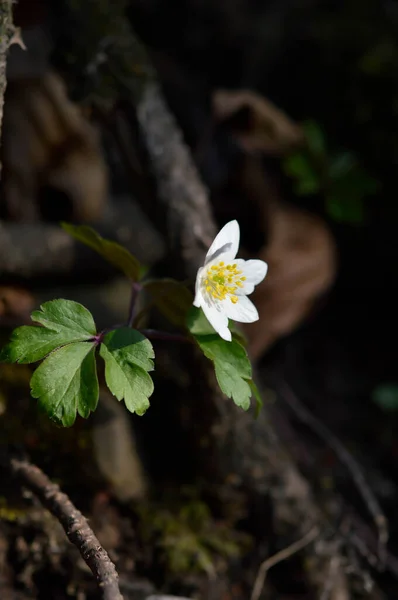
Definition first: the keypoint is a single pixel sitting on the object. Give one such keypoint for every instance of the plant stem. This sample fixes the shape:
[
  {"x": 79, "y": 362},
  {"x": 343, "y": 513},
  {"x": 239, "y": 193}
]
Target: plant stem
[{"x": 135, "y": 290}]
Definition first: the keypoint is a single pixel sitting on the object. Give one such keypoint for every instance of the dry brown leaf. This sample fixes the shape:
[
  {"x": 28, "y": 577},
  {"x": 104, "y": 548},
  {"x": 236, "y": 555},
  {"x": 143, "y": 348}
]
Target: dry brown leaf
[
  {"x": 15, "y": 302},
  {"x": 257, "y": 123},
  {"x": 48, "y": 144},
  {"x": 301, "y": 256}
]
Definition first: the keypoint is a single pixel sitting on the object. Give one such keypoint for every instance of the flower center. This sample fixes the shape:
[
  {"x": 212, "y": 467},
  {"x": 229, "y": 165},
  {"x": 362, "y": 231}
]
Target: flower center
[{"x": 222, "y": 281}]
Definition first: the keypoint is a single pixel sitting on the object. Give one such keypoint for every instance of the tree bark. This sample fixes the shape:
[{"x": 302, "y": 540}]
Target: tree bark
[{"x": 6, "y": 32}]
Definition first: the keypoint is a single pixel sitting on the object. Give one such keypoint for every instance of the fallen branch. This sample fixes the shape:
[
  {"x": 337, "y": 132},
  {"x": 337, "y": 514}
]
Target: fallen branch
[
  {"x": 74, "y": 523},
  {"x": 278, "y": 557}
]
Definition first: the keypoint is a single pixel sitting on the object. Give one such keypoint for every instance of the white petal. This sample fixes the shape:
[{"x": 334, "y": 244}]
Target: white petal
[
  {"x": 225, "y": 244},
  {"x": 198, "y": 294},
  {"x": 254, "y": 271},
  {"x": 217, "y": 319},
  {"x": 243, "y": 311}
]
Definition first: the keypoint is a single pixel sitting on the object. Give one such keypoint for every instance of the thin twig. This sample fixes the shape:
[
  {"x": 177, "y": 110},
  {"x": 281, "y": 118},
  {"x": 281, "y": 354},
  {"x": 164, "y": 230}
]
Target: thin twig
[
  {"x": 74, "y": 523},
  {"x": 369, "y": 498},
  {"x": 278, "y": 557}
]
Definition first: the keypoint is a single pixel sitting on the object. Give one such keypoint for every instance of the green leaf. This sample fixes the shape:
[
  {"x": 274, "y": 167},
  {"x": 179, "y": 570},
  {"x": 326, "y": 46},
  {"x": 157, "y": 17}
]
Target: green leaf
[
  {"x": 341, "y": 164},
  {"x": 299, "y": 167},
  {"x": 66, "y": 383},
  {"x": 232, "y": 367},
  {"x": 386, "y": 396},
  {"x": 172, "y": 299},
  {"x": 64, "y": 322},
  {"x": 257, "y": 397},
  {"x": 315, "y": 138},
  {"x": 197, "y": 322},
  {"x": 128, "y": 356},
  {"x": 237, "y": 334},
  {"x": 345, "y": 199},
  {"x": 113, "y": 252},
  {"x": 199, "y": 325}
]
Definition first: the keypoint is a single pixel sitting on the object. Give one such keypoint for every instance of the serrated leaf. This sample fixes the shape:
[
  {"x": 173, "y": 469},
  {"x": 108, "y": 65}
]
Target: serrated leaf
[
  {"x": 232, "y": 367},
  {"x": 66, "y": 383},
  {"x": 114, "y": 253},
  {"x": 172, "y": 299},
  {"x": 64, "y": 322},
  {"x": 128, "y": 356}
]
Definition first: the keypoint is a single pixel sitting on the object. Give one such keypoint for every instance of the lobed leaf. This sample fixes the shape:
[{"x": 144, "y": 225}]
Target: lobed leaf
[
  {"x": 128, "y": 358},
  {"x": 66, "y": 383},
  {"x": 63, "y": 322},
  {"x": 232, "y": 367},
  {"x": 113, "y": 252}
]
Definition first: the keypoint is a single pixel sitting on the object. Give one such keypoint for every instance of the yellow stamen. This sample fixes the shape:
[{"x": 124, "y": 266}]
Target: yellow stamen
[{"x": 221, "y": 281}]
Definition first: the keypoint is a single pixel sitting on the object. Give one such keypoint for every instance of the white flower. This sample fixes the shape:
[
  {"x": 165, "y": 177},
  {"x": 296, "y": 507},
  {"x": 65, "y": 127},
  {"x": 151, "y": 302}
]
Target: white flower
[{"x": 223, "y": 283}]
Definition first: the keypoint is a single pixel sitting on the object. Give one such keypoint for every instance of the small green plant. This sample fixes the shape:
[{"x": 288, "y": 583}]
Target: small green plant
[
  {"x": 337, "y": 177},
  {"x": 65, "y": 339},
  {"x": 189, "y": 538}
]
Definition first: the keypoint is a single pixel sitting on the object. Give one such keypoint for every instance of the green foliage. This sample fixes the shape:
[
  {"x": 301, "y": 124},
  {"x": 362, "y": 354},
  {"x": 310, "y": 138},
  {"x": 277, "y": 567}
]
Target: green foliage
[
  {"x": 344, "y": 199},
  {"x": 337, "y": 177},
  {"x": 66, "y": 382},
  {"x": 386, "y": 396},
  {"x": 114, "y": 253},
  {"x": 197, "y": 322},
  {"x": 231, "y": 363},
  {"x": 172, "y": 298},
  {"x": 257, "y": 397},
  {"x": 64, "y": 322},
  {"x": 128, "y": 358},
  {"x": 315, "y": 138},
  {"x": 232, "y": 367},
  {"x": 189, "y": 538},
  {"x": 300, "y": 168}
]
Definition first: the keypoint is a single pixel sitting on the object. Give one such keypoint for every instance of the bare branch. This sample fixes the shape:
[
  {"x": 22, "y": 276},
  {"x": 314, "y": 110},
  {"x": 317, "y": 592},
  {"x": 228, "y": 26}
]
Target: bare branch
[{"x": 74, "y": 523}]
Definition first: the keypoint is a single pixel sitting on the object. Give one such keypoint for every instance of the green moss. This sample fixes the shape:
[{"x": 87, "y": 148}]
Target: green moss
[{"x": 190, "y": 540}]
